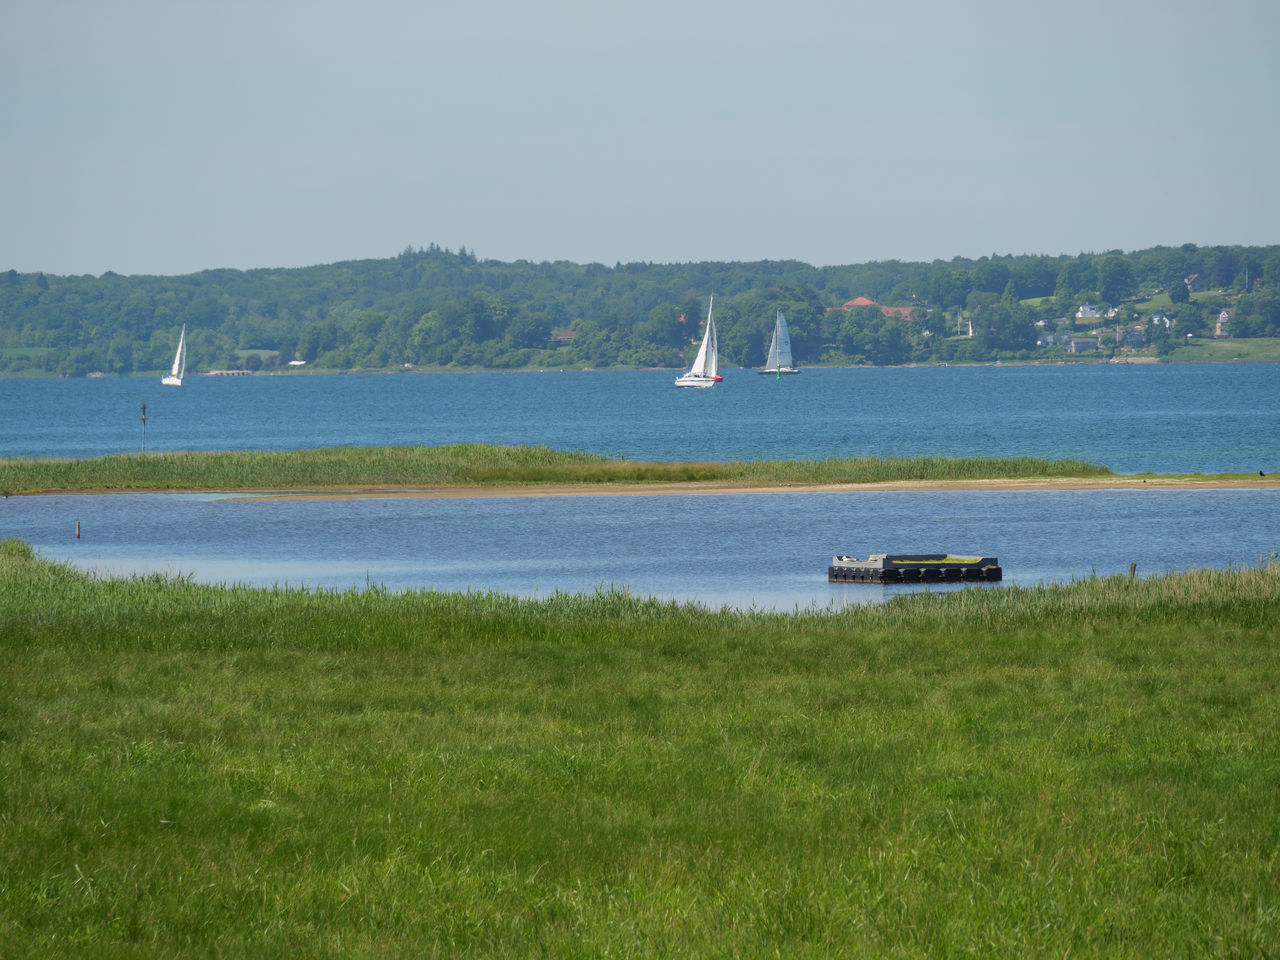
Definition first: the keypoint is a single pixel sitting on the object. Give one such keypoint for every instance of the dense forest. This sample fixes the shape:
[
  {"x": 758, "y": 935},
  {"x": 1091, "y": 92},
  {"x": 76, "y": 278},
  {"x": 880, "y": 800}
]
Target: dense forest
[{"x": 436, "y": 309}]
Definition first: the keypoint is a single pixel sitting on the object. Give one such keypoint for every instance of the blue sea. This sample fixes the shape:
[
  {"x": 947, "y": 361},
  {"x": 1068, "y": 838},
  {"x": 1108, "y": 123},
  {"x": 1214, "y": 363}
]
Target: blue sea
[{"x": 764, "y": 551}]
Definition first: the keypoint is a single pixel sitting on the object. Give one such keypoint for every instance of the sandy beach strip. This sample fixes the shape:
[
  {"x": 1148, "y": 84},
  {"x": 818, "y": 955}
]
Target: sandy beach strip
[{"x": 721, "y": 487}]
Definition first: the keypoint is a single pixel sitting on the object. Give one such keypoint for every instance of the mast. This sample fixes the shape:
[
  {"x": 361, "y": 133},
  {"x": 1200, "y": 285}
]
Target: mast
[{"x": 777, "y": 345}]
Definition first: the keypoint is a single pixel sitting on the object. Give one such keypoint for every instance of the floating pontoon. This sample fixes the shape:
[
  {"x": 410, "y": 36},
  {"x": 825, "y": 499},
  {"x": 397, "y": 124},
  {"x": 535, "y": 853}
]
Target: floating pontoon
[{"x": 912, "y": 568}]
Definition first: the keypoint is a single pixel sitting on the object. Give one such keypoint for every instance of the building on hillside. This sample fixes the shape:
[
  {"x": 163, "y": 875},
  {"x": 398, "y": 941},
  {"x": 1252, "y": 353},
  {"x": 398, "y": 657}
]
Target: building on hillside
[
  {"x": 1082, "y": 345},
  {"x": 903, "y": 312},
  {"x": 1221, "y": 330},
  {"x": 1135, "y": 338},
  {"x": 1087, "y": 311}
]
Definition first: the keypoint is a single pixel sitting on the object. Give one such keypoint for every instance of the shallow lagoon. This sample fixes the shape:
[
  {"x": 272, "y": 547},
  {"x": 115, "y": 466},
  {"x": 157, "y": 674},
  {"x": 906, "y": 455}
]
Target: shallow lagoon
[{"x": 761, "y": 550}]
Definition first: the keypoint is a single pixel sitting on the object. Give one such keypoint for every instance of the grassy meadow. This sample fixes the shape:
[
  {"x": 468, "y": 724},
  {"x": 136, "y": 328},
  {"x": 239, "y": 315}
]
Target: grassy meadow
[
  {"x": 1252, "y": 349},
  {"x": 1089, "y": 769},
  {"x": 478, "y": 464}
]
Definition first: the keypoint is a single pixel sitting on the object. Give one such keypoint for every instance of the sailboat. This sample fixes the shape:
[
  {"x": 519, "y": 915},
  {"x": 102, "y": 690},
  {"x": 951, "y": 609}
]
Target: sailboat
[
  {"x": 179, "y": 368},
  {"x": 706, "y": 366},
  {"x": 779, "y": 359}
]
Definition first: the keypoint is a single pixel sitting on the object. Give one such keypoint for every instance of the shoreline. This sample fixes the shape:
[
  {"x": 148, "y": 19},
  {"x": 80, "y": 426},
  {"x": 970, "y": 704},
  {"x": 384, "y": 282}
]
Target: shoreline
[
  {"x": 693, "y": 488},
  {"x": 1122, "y": 360}
]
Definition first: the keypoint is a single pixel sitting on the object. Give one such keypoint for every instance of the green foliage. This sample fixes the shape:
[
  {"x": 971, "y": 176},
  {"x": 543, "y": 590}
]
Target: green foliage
[
  {"x": 1115, "y": 279},
  {"x": 1258, "y": 314},
  {"x": 438, "y": 309},
  {"x": 1078, "y": 770}
]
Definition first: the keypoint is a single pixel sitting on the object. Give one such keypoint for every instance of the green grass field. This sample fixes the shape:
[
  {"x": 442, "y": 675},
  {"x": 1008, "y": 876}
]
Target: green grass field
[
  {"x": 482, "y": 464},
  {"x": 1255, "y": 349},
  {"x": 1081, "y": 770}
]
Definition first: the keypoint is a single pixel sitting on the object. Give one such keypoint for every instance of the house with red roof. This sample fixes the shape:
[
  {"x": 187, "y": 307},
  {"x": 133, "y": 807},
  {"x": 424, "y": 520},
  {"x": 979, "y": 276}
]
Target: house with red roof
[{"x": 903, "y": 312}]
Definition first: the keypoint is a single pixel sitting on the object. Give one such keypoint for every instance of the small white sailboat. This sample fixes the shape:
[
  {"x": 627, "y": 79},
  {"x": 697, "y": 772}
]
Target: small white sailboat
[
  {"x": 779, "y": 359},
  {"x": 706, "y": 366},
  {"x": 179, "y": 368}
]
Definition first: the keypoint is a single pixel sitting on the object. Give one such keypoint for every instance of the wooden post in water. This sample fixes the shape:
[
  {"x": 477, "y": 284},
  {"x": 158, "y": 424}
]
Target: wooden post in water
[
  {"x": 1133, "y": 568},
  {"x": 77, "y": 529}
]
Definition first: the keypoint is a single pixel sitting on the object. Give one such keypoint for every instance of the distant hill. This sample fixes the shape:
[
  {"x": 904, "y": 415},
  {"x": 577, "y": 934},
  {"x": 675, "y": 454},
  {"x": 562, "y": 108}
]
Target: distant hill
[{"x": 436, "y": 309}]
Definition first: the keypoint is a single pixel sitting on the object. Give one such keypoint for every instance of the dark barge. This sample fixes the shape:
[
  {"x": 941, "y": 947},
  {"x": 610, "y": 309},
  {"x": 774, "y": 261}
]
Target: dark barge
[{"x": 913, "y": 568}]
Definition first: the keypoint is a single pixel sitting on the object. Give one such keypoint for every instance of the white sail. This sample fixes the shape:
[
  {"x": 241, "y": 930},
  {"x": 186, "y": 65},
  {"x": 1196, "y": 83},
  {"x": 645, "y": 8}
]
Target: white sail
[
  {"x": 779, "y": 359},
  {"x": 705, "y": 371},
  {"x": 179, "y": 368},
  {"x": 707, "y": 363},
  {"x": 781, "y": 343}
]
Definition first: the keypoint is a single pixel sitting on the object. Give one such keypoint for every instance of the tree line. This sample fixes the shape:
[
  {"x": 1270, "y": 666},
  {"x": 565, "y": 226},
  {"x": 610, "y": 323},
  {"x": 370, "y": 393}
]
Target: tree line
[{"x": 435, "y": 308}]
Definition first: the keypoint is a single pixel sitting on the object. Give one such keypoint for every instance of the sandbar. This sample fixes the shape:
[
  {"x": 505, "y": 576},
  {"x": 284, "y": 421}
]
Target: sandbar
[{"x": 686, "y": 488}]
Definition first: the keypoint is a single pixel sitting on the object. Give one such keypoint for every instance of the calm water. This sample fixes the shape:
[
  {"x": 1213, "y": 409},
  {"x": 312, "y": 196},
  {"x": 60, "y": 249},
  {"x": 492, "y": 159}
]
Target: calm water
[
  {"x": 762, "y": 550},
  {"x": 1158, "y": 418}
]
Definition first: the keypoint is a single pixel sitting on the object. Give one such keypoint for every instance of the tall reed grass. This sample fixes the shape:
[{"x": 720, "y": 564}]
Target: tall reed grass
[
  {"x": 481, "y": 464},
  {"x": 1086, "y": 769}
]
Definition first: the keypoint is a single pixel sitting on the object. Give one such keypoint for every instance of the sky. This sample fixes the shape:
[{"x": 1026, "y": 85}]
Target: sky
[{"x": 172, "y": 136}]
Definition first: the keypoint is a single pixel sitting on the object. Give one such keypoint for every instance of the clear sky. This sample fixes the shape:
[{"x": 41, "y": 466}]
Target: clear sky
[{"x": 169, "y": 136}]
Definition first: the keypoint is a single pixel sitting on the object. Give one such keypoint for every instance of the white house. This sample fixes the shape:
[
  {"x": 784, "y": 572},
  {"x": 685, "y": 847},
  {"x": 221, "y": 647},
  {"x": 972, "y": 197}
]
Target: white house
[{"x": 1220, "y": 331}]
